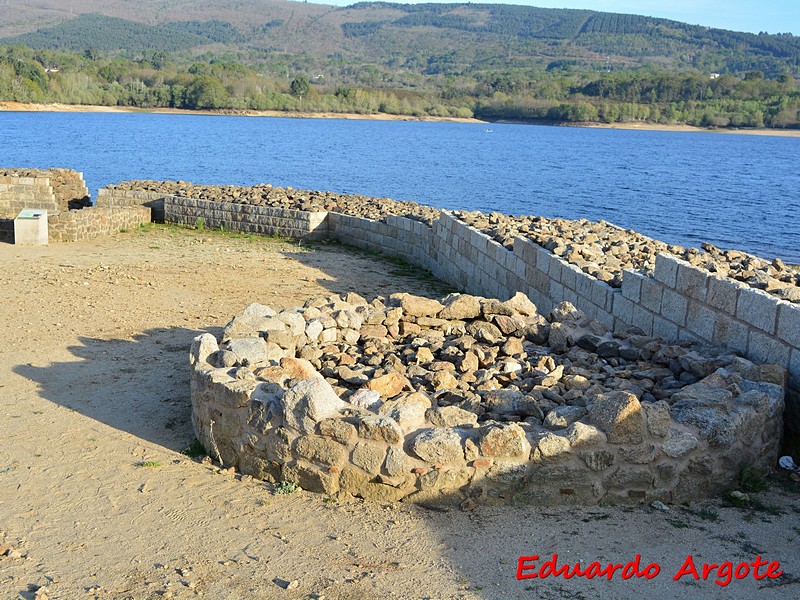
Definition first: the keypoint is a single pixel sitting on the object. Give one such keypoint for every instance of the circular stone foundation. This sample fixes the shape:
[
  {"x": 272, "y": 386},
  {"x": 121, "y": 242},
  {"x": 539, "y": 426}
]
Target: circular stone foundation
[{"x": 470, "y": 400}]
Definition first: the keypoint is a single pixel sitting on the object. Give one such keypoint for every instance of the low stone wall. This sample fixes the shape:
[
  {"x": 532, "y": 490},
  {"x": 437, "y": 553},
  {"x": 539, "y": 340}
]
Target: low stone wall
[
  {"x": 246, "y": 218},
  {"x": 55, "y": 190},
  {"x": 92, "y": 222},
  {"x": 112, "y": 197},
  {"x": 472, "y": 400},
  {"x": 684, "y": 302}
]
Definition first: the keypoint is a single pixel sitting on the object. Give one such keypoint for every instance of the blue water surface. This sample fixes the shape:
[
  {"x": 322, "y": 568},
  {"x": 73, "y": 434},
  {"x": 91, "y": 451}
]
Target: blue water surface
[{"x": 735, "y": 191}]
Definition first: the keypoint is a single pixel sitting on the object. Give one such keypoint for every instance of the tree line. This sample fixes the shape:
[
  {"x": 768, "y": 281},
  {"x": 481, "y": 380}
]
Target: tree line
[{"x": 561, "y": 93}]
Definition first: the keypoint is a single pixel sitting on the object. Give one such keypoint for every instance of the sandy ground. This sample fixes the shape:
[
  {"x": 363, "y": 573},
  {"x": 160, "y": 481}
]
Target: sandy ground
[
  {"x": 97, "y": 501},
  {"x": 29, "y": 107}
]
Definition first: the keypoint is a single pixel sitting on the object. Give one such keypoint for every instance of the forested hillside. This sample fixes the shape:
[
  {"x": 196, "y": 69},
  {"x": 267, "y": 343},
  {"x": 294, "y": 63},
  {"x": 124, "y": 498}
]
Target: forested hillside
[{"x": 493, "y": 61}]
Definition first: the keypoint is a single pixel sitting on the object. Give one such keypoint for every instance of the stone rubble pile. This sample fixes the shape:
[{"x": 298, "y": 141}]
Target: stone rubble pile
[
  {"x": 468, "y": 399},
  {"x": 288, "y": 198},
  {"x": 603, "y": 250}
]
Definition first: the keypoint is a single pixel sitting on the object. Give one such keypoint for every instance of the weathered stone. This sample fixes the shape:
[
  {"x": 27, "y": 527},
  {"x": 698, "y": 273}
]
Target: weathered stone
[
  {"x": 619, "y": 415},
  {"x": 396, "y": 464},
  {"x": 460, "y": 307},
  {"x": 308, "y": 402},
  {"x": 408, "y": 411},
  {"x": 679, "y": 443},
  {"x": 552, "y": 446},
  {"x": 298, "y": 368},
  {"x": 504, "y": 441},
  {"x": 443, "y": 380},
  {"x": 581, "y": 434},
  {"x": 252, "y": 349},
  {"x": 313, "y": 330},
  {"x": 418, "y": 306},
  {"x": 558, "y": 338},
  {"x": 388, "y": 385},
  {"x": 203, "y": 347},
  {"x": 658, "y": 418},
  {"x": 513, "y": 347},
  {"x": 710, "y": 417},
  {"x": 368, "y": 456},
  {"x": 712, "y": 388},
  {"x": 562, "y": 417},
  {"x": 381, "y": 429},
  {"x": 438, "y": 445},
  {"x": 320, "y": 450},
  {"x": 508, "y": 325},
  {"x": 367, "y": 399},
  {"x": 309, "y": 477},
  {"x": 451, "y": 416},
  {"x": 598, "y": 460},
  {"x": 339, "y": 430},
  {"x": 484, "y": 331},
  {"x": 503, "y": 402},
  {"x": 521, "y": 304},
  {"x": 295, "y": 322}
]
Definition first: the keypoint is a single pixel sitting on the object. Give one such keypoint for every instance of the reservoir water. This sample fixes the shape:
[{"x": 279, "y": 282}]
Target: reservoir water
[{"x": 735, "y": 191}]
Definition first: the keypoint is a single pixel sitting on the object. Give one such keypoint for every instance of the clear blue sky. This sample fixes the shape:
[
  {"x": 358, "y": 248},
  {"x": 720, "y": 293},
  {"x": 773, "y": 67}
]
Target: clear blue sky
[{"x": 772, "y": 16}]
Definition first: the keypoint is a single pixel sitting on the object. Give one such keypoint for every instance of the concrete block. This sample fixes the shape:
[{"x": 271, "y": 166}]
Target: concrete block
[
  {"x": 765, "y": 348},
  {"x": 570, "y": 296},
  {"x": 692, "y": 281},
  {"x": 789, "y": 323},
  {"x": 651, "y": 295},
  {"x": 674, "y": 306},
  {"x": 686, "y": 335},
  {"x": 666, "y": 270},
  {"x": 601, "y": 294},
  {"x": 623, "y": 309},
  {"x": 569, "y": 276},
  {"x": 664, "y": 329},
  {"x": 632, "y": 284},
  {"x": 758, "y": 308},
  {"x": 643, "y": 319},
  {"x": 30, "y": 227},
  {"x": 554, "y": 268},
  {"x": 556, "y": 291},
  {"x": 606, "y": 318},
  {"x": 700, "y": 320},
  {"x": 583, "y": 285},
  {"x": 731, "y": 333}
]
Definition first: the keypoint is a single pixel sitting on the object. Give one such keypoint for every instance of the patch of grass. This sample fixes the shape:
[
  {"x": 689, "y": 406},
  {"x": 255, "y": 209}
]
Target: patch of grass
[
  {"x": 708, "y": 514},
  {"x": 200, "y": 224},
  {"x": 679, "y": 523},
  {"x": 195, "y": 450},
  {"x": 149, "y": 464},
  {"x": 124, "y": 230},
  {"x": 749, "y": 481},
  {"x": 285, "y": 487}
]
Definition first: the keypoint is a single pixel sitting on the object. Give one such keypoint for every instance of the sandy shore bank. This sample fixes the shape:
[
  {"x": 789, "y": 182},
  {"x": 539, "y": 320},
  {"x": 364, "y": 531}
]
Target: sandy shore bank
[{"x": 30, "y": 107}]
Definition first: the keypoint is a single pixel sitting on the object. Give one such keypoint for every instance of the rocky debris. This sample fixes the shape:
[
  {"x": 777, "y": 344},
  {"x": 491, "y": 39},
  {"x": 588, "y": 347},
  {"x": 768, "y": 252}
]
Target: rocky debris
[
  {"x": 288, "y": 198},
  {"x": 406, "y": 395},
  {"x": 604, "y": 251}
]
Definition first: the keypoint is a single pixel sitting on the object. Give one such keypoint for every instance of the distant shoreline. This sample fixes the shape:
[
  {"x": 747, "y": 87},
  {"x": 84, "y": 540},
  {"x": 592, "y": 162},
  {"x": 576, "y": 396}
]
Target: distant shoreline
[{"x": 632, "y": 126}]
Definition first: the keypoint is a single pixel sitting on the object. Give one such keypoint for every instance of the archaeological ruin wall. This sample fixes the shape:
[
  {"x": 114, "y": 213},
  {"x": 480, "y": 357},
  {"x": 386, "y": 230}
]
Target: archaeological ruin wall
[{"x": 677, "y": 301}]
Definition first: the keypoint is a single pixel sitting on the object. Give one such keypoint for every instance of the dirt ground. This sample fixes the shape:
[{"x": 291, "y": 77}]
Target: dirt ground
[{"x": 97, "y": 501}]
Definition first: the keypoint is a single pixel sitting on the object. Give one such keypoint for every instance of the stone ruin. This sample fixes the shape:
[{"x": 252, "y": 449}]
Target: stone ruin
[{"x": 470, "y": 400}]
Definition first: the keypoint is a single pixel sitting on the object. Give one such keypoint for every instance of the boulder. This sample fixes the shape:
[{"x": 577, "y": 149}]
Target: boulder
[{"x": 308, "y": 402}]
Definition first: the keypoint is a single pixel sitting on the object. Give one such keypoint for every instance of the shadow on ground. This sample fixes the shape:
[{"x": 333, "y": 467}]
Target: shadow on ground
[{"x": 138, "y": 385}]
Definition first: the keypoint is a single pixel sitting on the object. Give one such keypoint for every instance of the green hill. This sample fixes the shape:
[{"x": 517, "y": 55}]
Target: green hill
[{"x": 491, "y": 60}]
